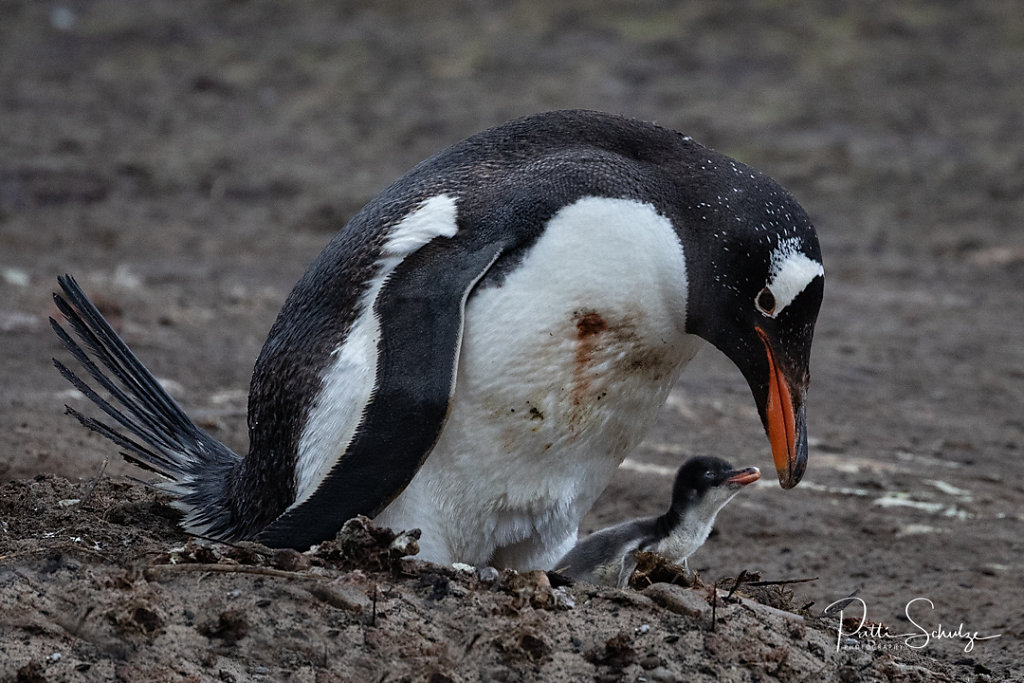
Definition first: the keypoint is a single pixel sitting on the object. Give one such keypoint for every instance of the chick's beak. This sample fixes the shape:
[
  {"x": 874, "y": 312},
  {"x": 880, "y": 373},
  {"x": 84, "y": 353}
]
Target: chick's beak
[
  {"x": 784, "y": 420},
  {"x": 743, "y": 477}
]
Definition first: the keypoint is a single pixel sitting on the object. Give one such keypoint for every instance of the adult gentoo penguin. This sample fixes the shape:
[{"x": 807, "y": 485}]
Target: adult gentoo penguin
[
  {"x": 702, "y": 488},
  {"x": 477, "y": 350}
]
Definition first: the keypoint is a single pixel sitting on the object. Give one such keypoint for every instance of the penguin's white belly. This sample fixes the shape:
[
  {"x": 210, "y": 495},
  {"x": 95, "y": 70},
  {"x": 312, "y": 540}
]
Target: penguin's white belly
[{"x": 563, "y": 368}]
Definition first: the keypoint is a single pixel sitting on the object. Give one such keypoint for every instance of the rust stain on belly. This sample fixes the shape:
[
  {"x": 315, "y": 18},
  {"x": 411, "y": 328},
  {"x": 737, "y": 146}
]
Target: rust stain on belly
[
  {"x": 590, "y": 328},
  {"x": 589, "y": 324},
  {"x": 615, "y": 346}
]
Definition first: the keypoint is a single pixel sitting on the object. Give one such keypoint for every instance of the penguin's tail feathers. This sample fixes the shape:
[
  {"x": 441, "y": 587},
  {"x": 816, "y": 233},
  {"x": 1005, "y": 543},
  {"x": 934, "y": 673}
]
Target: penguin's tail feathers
[{"x": 157, "y": 434}]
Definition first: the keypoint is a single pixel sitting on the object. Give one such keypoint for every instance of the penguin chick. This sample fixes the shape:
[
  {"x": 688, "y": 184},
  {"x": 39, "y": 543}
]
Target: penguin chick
[{"x": 703, "y": 486}]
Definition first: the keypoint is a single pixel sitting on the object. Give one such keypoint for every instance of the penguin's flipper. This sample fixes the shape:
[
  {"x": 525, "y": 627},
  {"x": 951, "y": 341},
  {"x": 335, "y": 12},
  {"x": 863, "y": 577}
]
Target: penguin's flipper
[{"x": 420, "y": 311}]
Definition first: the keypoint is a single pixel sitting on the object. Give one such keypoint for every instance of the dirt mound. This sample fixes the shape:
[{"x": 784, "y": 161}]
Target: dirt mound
[{"x": 100, "y": 584}]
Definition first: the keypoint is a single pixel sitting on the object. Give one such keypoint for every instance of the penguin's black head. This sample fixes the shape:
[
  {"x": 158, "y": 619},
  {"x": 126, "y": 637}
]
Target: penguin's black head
[
  {"x": 755, "y": 284},
  {"x": 703, "y": 477}
]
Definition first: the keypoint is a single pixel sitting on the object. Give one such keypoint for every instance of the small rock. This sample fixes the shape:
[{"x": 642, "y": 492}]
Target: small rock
[
  {"x": 533, "y": 587},
  {"x": 662, "y": 674},
  {"x": 340, "y": 597},
  {"x": 487, "y": 574},
  {"x": 564, "y": 599},
  {"x": 650, "y": 662},
  {"x": 407, "y": 543},
  {"x": 290, "y": 560}
]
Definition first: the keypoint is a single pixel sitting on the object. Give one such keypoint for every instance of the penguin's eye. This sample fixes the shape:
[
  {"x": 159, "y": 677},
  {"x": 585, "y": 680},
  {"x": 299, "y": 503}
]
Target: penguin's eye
[{"x": 765, "y": 301}]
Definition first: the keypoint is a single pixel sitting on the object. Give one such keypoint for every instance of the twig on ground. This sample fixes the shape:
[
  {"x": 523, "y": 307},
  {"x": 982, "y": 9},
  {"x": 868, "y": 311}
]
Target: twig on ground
[
  {"x": 739, "y": 580},
  {"x": 157, "y": 569},
  {"x": 781, "y": 582},
  {"x": 95, "y": 481}
]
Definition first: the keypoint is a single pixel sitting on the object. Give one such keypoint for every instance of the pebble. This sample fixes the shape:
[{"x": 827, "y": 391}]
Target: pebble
[{"x": 487, "y": 574}]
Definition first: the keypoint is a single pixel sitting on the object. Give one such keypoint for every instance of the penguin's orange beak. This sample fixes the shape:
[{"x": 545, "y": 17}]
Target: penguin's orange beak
[{"x": 784, "y": 421}]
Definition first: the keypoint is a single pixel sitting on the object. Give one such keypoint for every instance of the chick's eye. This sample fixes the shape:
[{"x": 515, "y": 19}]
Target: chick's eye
[{"x": 765, "y": 301}]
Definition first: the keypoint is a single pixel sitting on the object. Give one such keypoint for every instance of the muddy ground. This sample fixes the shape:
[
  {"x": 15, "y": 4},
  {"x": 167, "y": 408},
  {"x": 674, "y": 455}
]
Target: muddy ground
[{"x": 186, "y": 160}]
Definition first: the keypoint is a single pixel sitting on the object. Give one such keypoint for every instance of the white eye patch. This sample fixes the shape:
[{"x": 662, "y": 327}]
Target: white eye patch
[{"x": 791, "y": 272}]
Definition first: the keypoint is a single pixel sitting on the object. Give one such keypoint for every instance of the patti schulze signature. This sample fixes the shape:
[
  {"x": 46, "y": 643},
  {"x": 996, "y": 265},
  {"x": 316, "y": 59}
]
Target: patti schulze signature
[{"x": 914, "y": 639}]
